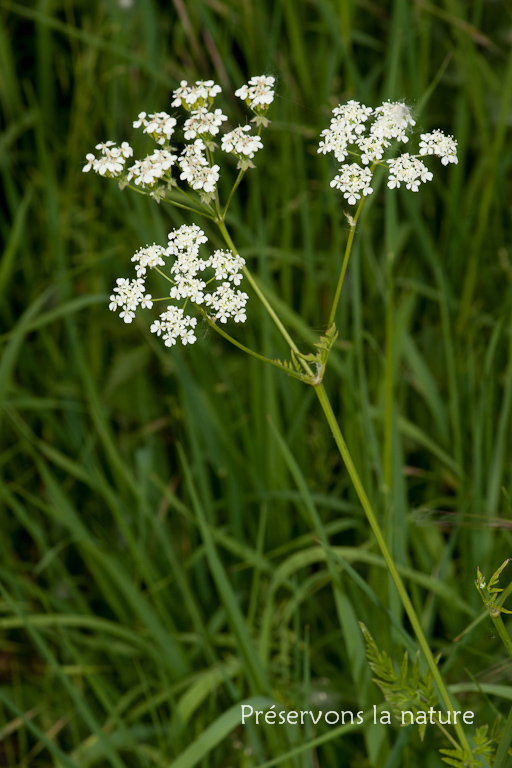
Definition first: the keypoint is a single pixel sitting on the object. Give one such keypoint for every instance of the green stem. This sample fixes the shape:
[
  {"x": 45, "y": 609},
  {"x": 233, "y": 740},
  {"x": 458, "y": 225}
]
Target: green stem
[
  {"x": 344, "y": 266},
  {"x": 207, "y": 210},
  {"x": 263, "y": 299},
  {"x": 502, "y": 632},
  {"x": 235, "y": 185},
  {"x": 173, "y": 202},
  {"x": 275, "y": 363},
  {"x": 372, "y": 520},
  {"x": 388, "y": 388}
]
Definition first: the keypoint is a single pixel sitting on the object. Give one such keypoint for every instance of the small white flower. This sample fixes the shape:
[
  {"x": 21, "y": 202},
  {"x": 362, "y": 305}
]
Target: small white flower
[
  {"x": 173, "y": 325},
  {"x": 188, "y": 285},
  {"x": 351, "y": 117},
  {"x": 196, "y": 170}
]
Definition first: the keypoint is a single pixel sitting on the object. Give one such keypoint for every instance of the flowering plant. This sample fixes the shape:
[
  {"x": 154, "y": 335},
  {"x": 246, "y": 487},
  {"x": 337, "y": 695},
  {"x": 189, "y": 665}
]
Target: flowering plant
[{"x": 366, "y": 137}]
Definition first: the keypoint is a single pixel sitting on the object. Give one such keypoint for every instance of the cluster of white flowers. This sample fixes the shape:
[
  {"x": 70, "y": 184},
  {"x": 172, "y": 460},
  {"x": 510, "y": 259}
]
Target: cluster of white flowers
[
  {"x": 196, "y": 170},
  {"x": 130, "y": 295},
  {"x": 352, "y": 180},
  {"x": 146, "y": 172},
  {"x": 192, "y": 96},
  {"x": 160, "y": 126},
  {"x": 175, "y": 324},
  {"x": 227, "y": 266},
  {"x": 197, "y": 166},
  {"x": 151, "y": 256},
  {"x": 188, "y": 284},
  {"x": 226, "y": 303},
  {"x": 258, "y": 93},
  {"x": 112, "y": 160},
  {"x": 203, "y": 122},
  {"x": 409, "y": 170},
  {"x": 348, "y": 135},
  {"x": 392, "y": 121},
  {"x": 437, "y": 143},
  {"x": 240, "y": 143}
]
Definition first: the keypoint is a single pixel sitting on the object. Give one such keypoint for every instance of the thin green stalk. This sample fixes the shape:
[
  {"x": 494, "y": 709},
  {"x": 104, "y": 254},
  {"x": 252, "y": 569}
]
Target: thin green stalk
[
  {"x": 389, "y": 386},
  {"x": 173, "y": 202},
  {"x": 275, "y": 363},
  {"x": 344, "y": 266},
  {"x": 264, "y": 299},
  {"x": 235, "y": 185},
  {"x": 370, "y": 515},
  {"x": 502, "y": 632},
  {"x": 207, "y": 209}
]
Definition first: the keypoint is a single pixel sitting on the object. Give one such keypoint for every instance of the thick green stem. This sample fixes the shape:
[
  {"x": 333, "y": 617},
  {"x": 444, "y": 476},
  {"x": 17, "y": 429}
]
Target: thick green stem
[
  {"x": 372, "y": 520},
  {"x": 344, "y": 266}
]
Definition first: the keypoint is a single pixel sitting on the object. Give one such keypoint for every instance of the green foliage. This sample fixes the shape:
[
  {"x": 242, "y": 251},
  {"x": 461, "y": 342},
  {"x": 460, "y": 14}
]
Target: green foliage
[
  {"x": 408, "y": 690},
  {"x": 324, "y": 347}
]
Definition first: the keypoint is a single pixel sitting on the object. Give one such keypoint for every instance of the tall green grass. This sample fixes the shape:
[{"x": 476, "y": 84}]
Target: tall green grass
[{"x": 163, "y": 511}]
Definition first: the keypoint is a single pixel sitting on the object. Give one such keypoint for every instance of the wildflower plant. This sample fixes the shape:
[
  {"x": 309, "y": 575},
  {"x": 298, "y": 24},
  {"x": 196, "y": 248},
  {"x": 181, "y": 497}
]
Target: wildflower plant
[{"x": 203, "y": 285}]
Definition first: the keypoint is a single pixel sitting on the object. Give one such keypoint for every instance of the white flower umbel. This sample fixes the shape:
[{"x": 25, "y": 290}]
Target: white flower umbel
[
  {"x": 346, "y": 125},
  {"x": 350, "y": 117},
  {"x": 259, "y": 92},
  {"x": 159, "y": 125},
  {"x": 348, "y": 134},
  {"x": 202, "y": 122},
  {"x": 188, "y": 285},
  {"x": 185, "y": 241},
  {"x": 392, "y": 121},
  {"x": 371, "y": 148},
  {"x": 151, "y": 256},
  {"x": 226, "y": 303},
  {"x": 242, "y": 144},
  {"x": 127, "y": 296},
  {"x": 173, "y": 325},
  {"x": 196, "y": 170},
  {"x": 112, "y": 160},
  {"x": 437, "y": 143},
  {"x": 187, "y": 238},
  {"x": 193, "y": 96},
  {"x": 353, "y": 181},
  {"x": 146, "y": 172},
  {"x": 408, "y": 170},
  {"x": 227, "y": 266}
]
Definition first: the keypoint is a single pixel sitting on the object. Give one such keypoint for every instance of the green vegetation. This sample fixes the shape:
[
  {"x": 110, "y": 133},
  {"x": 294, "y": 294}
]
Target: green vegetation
[{"x": 179, "y": 532}]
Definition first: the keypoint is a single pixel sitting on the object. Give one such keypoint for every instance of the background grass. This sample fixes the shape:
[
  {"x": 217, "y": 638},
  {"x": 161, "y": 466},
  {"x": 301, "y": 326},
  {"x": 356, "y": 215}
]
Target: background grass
[{"x": 161, "y": 509}]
